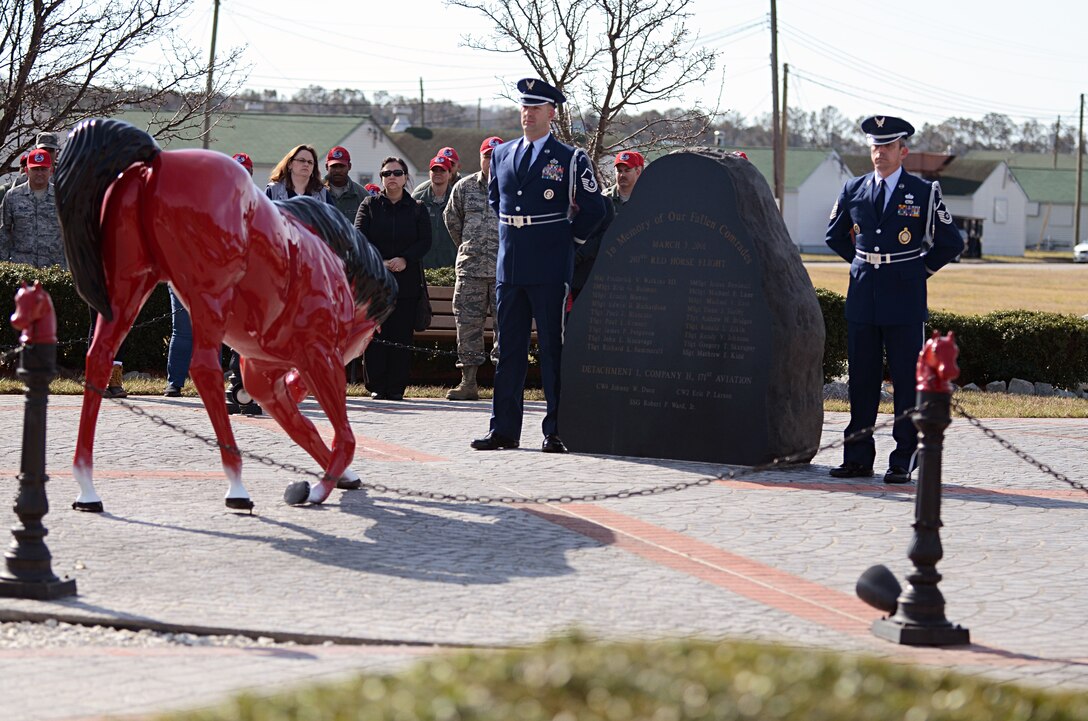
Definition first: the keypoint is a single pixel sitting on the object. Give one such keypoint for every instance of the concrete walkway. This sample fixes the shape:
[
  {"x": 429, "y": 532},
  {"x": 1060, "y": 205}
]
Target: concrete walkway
[{"x": 387, "y": 579}]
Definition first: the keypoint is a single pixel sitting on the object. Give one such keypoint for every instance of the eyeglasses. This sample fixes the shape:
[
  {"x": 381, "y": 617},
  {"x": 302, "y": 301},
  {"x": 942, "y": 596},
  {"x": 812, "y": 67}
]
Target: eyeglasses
[
  {"x": 395, "y": 173},
  {"x": 304, "y": 161}
]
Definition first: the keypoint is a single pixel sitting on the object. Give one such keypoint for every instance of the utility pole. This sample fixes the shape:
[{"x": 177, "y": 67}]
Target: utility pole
[
  {"x": 776, "y": 129},
  {"x": 422, "y": 106},
  {"x": 479, "y": 111},
  {"x": 1057, "y": 134},
  {"x": 780, "y": 172},
  {"x": 1080, "y": 175},
  {"x": 211, "y": 83}
]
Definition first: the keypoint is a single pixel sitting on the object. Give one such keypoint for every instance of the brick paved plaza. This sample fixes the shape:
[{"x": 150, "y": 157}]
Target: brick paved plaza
[{"x": 773, "y": 556}]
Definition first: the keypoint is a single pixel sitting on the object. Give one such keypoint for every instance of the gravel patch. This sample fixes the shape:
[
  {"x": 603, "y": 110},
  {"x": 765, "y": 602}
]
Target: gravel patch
[{"x": 55, "y": 634}]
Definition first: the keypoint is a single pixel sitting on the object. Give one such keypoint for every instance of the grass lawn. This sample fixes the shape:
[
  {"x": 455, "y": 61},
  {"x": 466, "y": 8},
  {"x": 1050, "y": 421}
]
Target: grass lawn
[
  {"x": 972, "y": 288},
  {"x": 982, "y": 405}
]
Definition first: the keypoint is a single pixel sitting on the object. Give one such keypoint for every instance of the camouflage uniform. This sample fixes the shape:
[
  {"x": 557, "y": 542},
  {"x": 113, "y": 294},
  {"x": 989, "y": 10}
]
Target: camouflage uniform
[
  {"x": 29, "y": 228},
  {"x": 475, "y": 229}
]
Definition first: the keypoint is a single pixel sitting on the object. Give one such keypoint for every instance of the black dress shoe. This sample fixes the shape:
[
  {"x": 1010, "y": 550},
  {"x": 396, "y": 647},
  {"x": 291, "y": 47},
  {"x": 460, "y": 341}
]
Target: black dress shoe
[
  {"x": 851, "y": 470},
  {"x": 897, "y": 474},
  {"x": 494, "y": 441},
  {"x": 553, "y": 444}
]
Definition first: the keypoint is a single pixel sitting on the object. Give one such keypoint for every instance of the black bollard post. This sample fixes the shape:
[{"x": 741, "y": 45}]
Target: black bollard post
[
  {"x": 919, "y": 619},
  {"x": 28, "y": 569}
]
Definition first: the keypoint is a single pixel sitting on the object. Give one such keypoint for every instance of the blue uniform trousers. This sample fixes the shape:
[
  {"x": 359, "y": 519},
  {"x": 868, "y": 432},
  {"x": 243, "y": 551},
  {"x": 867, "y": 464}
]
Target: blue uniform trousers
[
  {"x": 516, "y": 308},
  {"x": 865, "y": 351}
]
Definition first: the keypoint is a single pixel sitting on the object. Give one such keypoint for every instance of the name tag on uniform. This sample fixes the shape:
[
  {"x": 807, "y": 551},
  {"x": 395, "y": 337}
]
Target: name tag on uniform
[{"x": 910, "y": 211}]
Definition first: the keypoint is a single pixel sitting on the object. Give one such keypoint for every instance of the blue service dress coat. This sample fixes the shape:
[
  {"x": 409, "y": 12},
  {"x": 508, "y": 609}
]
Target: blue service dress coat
[
  {"x": 892, "y": 292},
  {"x": 891, "y": 256},
  {"x": 537, "y": 238},
  {"x": 542, "y": 249}
]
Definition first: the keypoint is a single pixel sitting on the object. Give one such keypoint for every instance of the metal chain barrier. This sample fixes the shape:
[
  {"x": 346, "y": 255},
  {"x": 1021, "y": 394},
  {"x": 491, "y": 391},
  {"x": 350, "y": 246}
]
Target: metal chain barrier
[
  {"x": 534, "y": 352},
  {"x": 990, "y": 433},
  {"x": 436, "y": 352},
  {"x": 734, "y": 474},
  {"x": 10, "y": 353},
  {"x": 774, "y": 464}
]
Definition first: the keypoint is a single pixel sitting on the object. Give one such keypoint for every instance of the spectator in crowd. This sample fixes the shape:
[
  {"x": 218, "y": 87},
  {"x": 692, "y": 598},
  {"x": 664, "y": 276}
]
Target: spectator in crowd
[
  {"x": 245, "y": 161},
  {"x": 399, "y": 227},
  {"x": 628, "y": 166},
  {"x": 455, "y": 170},
  {"x": 29, "y": 229},
  {"x": 434, "y": 197},
  {"x": 50, "y": 142},
  {"x": 180, "y": 351},
  {"x": 471, "y": 224},
  {"x": 345, "y": 192},
  {"x": 20, "y": 178},
  {"x": 548, "y": 200},
  {"x": 297, "y": 174}
]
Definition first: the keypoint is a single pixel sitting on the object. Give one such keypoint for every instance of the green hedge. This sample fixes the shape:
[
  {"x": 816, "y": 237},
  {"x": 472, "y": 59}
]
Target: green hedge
[
  {"x": 833, "y": 307},
  {"x": 998, "y": 346},
  {"x": 1005, "y": 344},
  {"x": 440, "y": 276},
  {"x": 145, "y": 348},
  {"x": 573, "y": 680}
]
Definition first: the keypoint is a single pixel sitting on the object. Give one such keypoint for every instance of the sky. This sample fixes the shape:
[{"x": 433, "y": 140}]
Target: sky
[{"x": 926, "y": 61}]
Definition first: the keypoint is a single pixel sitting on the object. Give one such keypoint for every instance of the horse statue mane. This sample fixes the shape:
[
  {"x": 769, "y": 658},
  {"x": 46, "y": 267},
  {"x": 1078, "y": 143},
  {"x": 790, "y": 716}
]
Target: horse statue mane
[
  {"x": 937, "y": 367},
  {"x": 363, "y": 270},
  {"x": 34, "y": 315},
  {"x": 80, "y": 189}
]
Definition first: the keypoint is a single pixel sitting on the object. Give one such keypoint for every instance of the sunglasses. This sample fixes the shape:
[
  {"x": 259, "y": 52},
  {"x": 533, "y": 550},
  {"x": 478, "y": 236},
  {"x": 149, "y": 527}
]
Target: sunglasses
[
  {"x": 394, "y": 173},
  {"x": 303, "y": 161}
]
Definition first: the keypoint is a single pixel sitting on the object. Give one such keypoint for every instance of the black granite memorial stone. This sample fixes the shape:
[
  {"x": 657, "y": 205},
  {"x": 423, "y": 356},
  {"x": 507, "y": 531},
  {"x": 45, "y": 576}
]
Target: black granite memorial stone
[{"x": 698, "y": 335}]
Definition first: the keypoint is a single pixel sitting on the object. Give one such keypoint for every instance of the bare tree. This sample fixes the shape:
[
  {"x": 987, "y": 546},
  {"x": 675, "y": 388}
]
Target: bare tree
[
  {"x": 611, "y": 58},
  {"x": 65, "y": 60}
]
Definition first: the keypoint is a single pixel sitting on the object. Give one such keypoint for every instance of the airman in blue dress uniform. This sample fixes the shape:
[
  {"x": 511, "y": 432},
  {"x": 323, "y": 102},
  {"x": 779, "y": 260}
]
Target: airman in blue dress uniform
[
  {"x": 548, "y": 200},
  {"x": 893, "y": 229}
]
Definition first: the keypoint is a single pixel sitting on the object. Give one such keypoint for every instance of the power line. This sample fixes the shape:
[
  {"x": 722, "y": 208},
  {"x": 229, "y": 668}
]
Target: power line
[{"x": 932, "y": 92}]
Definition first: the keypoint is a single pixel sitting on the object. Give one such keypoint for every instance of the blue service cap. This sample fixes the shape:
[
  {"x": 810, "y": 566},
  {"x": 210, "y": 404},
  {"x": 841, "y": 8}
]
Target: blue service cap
[
  {"x": 538, "y": 92},
  {"x": 884, "y": 129}
]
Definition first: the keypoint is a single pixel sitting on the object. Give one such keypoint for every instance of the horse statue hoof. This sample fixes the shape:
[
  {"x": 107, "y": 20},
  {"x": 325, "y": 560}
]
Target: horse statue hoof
[
  {"x": 297, "y": 493},
  {"x": 240, "y": 504},
  {"x": 95, "y": 507},
  {"x": 350, "y": 481}
]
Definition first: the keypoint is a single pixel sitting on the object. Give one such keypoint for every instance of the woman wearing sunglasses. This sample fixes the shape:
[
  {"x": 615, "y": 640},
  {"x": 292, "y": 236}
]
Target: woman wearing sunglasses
[
  {"x": 400, "y": 228},
  {"x": 297, "y": 174}
]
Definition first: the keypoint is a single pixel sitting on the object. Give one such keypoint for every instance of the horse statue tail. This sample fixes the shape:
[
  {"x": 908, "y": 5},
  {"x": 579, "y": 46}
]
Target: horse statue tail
[
  {"x": 98, "y": 150},
  {"x": 372, "y": 282}
]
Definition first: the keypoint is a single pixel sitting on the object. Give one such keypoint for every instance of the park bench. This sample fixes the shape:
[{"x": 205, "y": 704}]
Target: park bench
[{"x": 443, "y": 327}]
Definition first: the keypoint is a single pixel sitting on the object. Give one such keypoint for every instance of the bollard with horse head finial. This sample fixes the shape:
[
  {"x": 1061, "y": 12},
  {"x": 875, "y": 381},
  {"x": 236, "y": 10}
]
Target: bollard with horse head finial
[
  {"x": 917, "y": 616},
  {"x": 27, "y": 571}
]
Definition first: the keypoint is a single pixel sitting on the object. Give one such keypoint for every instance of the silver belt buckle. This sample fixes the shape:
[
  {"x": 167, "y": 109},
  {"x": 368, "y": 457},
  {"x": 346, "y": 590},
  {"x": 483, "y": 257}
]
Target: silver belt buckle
[
  {"x": 517, "y": 220},
  {"x": 873, "y": 258}
]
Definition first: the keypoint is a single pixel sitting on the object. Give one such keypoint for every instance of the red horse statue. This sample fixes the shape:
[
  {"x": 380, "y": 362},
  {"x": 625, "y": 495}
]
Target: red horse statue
[
  {"x": 937, "y": 367},
  {"x": 291, "y": 286},
  {"x": 34, "y": 315}
]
